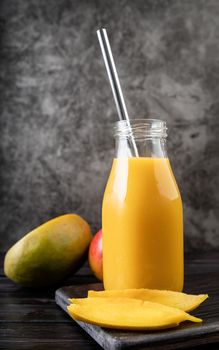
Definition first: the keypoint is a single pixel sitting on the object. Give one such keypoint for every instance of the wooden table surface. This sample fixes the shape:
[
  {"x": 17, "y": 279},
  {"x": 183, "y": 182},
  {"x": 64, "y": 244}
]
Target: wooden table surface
[{"x": 30, "y": 319}]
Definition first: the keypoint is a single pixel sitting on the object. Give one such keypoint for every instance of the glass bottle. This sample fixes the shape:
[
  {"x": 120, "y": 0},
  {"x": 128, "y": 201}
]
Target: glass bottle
[{"x": 142, "y": 217}]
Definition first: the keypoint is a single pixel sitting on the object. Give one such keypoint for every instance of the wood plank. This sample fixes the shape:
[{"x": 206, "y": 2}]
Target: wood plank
[
  {"x": 42, "y": 336},
  {"x": 32, "y": 313}
]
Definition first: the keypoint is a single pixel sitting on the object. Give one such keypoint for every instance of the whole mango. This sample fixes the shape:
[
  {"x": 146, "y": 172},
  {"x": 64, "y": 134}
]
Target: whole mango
[
  {"x": 49, "y": 253},
  {"x": 95, "y": 255}
]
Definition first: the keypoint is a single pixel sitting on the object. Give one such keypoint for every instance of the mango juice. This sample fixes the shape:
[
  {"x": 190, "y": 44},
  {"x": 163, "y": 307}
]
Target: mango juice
[{"x": 142, "y": 226}]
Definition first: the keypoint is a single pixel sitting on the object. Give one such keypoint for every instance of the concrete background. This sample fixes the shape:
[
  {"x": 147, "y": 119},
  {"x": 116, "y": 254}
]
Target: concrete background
[{"x": 56, "y": 106}]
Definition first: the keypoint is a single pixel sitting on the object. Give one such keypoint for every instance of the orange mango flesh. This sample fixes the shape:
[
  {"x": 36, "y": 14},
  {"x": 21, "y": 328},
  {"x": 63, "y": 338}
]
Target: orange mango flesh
[
  {"x": 127, "y": 313},
  {"x": 182, "y": 301}
]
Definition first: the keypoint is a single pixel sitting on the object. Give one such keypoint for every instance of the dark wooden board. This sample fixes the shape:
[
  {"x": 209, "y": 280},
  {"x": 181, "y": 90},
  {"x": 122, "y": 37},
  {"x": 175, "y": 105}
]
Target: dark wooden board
[
  {"x": 31, "y": 320},
  {"x": 186, "y": 335}
]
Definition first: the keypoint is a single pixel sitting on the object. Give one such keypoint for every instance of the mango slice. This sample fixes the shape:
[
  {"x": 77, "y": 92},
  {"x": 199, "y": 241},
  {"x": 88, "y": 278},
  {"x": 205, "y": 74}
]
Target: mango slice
[
  {"x": 127, "y": 313},
  {"x": 182, "y": 301}
]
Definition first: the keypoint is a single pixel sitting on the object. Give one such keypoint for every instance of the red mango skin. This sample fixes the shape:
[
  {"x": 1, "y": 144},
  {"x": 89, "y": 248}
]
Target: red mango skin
[{"x": 95, "y": 255}]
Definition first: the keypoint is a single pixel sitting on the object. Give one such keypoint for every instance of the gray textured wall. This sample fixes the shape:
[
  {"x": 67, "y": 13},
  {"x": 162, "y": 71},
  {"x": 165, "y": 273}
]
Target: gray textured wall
[{"x": 57, "y": 107}]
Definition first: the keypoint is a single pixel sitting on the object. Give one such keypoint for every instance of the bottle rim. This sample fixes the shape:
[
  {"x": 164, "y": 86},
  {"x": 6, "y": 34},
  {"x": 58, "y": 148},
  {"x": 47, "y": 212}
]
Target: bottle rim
[{"x": 140, "y": 128}]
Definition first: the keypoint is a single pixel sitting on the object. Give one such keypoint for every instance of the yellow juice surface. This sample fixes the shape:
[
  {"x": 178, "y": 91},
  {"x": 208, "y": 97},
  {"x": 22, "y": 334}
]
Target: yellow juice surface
[{"x": 142, "y": 226}]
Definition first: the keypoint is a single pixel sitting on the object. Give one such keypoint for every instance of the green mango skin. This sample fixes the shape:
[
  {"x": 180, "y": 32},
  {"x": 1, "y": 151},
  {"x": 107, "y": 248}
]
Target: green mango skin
[{"x": 49, "y": 253}]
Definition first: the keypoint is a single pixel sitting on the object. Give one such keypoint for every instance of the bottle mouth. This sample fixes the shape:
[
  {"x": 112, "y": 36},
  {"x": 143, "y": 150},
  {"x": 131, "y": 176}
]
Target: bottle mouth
[{"x": 140, "y": 129}]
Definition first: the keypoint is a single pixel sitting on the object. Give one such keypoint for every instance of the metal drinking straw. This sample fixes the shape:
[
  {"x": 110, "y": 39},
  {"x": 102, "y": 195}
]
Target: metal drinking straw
[{"x": 114, "y": 81}]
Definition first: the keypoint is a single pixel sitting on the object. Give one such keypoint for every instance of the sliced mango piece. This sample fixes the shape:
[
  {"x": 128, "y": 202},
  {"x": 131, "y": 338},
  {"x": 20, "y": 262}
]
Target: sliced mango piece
[
  {"x": 182, "y": 301},
  {"x": 127, "y": 313}
]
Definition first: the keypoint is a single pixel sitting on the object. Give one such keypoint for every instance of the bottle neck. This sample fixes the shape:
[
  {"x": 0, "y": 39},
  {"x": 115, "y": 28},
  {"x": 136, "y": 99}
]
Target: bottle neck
[
  {"x": 151, "y": 148},
  {"x": 141, "y": 138}
]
